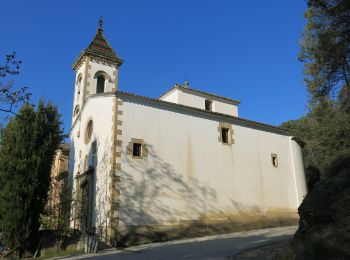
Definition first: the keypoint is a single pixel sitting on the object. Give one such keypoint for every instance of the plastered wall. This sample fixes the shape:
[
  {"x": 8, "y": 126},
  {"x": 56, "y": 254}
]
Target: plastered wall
[
  {"x": 99, "y": 109},
  {"x": 179, "y": 96},
  {"x": 189, "y": 174}
]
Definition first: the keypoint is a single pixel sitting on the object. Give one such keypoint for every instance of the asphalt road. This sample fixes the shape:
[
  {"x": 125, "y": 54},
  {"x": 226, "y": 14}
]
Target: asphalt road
[{"x": 206, "y": 248}]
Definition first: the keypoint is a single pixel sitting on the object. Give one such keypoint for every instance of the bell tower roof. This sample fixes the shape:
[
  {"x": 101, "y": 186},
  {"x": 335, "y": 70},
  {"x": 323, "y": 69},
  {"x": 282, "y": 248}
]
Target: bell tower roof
[{"x": 100, "y": 48}]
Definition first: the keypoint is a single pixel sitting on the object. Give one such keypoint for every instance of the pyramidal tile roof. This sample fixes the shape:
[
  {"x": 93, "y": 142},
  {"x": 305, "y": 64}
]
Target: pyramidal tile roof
[{"x": 101, "y": 48}]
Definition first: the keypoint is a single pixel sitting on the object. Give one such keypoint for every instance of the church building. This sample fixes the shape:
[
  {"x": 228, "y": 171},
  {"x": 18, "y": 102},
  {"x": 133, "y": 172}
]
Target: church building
[{"x": 139, "y": 164}]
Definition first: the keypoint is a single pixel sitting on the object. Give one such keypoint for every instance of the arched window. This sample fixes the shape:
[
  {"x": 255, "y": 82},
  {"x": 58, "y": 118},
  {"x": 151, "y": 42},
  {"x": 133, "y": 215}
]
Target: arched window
[
  {"x": 76, "y": 110},
  {"x": 100, "y": 84},
  {"x": 88, "y": 131},
  {"x": 101, "y": 78},
  {"x": 79, "y": 86}
]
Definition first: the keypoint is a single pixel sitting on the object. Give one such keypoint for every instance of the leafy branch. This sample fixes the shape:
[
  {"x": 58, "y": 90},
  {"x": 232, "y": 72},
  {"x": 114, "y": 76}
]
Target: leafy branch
[{"x": 10, "y": 96}]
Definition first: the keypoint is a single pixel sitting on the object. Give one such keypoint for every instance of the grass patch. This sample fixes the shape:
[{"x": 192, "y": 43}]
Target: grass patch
[{"x": 52, "y": 252}]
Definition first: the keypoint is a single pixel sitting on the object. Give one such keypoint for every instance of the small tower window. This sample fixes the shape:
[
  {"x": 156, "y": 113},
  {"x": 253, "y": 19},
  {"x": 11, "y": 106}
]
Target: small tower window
[
  {"x": 208, "y": 105},
  {"x": 100, "y": 84},
  {"x": 274, "y": 160},
  {"x": 136, "y": 149},
  {"x": 224, "y": 135}
]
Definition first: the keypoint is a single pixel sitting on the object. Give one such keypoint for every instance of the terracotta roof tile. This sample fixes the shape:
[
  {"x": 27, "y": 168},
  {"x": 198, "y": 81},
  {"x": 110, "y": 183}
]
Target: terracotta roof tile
[{"x": 99, "y": 47}]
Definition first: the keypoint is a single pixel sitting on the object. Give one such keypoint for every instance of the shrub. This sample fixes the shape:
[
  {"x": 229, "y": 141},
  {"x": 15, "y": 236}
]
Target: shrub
[{"x": 324, "y": 228}]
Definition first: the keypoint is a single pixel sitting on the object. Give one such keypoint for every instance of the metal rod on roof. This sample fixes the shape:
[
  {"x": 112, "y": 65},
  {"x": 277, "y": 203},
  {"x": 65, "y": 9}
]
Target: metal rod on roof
[{"x": 100, "y": 25}]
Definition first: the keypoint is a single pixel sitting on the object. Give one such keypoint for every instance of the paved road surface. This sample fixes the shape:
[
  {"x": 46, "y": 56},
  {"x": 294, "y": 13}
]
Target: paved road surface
[{"x": 205, "y": 248}]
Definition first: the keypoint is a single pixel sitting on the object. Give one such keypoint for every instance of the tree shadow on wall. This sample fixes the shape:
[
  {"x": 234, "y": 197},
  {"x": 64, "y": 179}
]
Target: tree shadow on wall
[
  {"x": 93, "y": 168},
  {"x": 100, "y": 163},
  {"x": 153, "y": 194},
  {"x": 71, "y": 163},
  {"x": 158, "y": 204}
]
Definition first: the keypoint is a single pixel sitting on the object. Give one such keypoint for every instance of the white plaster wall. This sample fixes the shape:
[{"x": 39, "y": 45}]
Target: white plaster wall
[
  {"x": 99, "y": 109},
  {"x": 74, "y": 165},
  {"x": 189, "y": 174},
  {"x": 198, "y": 101},
  {"x": 225, "y": 108},
  {"x": 172, "y": 97},
  {"x": 300, "y": 182}
]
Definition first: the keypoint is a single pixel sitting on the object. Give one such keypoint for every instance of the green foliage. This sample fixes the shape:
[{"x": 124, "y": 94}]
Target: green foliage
[
  {"x": 324, "y": 227},
  {"x": 313, "y": 175},
  {"x": 56, "y": 215},
  {"x": 325, "y": 131},
  {"x": 325, "y": 49},
  {"x": 53, "y": 253},
  {"x": 324, "y": 230},
  {"x": 28, "y": 145}
]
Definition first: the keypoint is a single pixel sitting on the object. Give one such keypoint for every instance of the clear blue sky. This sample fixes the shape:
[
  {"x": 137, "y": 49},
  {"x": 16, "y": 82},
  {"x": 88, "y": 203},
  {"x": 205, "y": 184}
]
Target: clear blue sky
[{"x": 245, "y": 50}]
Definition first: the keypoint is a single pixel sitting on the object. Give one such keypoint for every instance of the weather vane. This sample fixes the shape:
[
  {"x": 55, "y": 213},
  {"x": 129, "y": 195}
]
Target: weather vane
[{"x": 100, "y": 25}]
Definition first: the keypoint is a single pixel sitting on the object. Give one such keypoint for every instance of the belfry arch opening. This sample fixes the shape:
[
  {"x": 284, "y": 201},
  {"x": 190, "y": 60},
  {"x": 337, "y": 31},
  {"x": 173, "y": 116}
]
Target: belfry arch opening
[
  {"x": 101, "y": 78},
  {"x": 100, "y": 84}
]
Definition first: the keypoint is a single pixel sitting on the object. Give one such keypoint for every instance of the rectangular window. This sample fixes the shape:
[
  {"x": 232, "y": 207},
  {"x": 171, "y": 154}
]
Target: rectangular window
[
  {"x": 274, "y": 160},
  {"x": 208, "y": 105},
  {"x": 224, "y": 135},
  {"x": 136, "y": 149}
]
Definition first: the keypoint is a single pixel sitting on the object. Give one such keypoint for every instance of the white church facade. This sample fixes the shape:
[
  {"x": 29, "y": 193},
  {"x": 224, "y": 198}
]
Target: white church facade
[{"x": 140, "y": 163}]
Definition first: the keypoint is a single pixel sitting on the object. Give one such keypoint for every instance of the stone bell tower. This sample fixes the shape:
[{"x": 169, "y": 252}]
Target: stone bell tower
[
  {"x": 96, "y": 70},
  {"x": 93, "y": 147}
]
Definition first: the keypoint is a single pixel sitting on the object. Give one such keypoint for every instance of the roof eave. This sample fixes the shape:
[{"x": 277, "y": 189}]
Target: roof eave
[
  {"x": 117, "y": 61},
  {"x": 256, "y": 124},
  {"x": 238, "y": 119}
]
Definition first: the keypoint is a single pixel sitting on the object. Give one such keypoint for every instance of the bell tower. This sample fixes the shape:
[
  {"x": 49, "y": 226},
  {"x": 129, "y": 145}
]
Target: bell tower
[{"x": 96, "y": 70}]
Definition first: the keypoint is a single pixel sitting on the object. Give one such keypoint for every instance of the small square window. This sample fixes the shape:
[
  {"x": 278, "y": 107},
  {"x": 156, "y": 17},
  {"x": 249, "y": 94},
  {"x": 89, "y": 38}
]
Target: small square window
[
  {"x": 274, "y": 160},
  {"x": 208, "y": 105},
  {"x": 136, "y": 149},
  {"x": 224, "y": 135}
]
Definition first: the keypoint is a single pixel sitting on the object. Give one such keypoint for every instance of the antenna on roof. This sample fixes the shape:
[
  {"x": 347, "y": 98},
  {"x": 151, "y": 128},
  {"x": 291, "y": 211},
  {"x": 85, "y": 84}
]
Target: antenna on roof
[
  {"x": 100, "y": 25},
  {"x": 186, "y": 83}
]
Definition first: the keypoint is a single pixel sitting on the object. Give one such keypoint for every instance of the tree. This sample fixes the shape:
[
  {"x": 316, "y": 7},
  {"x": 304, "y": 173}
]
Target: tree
[
  {"x": 325, "y": 131},
  {"x": 324, "y": 226},
  {"x": 10, "y": 96},
  {"x": 325, "y": 50},
  {"x": 313, "y": 176},
  {"x": 28, "y": 145},
  {"x": 56, "y": 215}
]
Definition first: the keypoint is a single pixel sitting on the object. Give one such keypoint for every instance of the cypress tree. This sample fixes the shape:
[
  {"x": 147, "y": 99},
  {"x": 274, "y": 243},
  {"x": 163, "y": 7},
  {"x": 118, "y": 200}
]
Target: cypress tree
[{"x": 28, "y": 145}]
